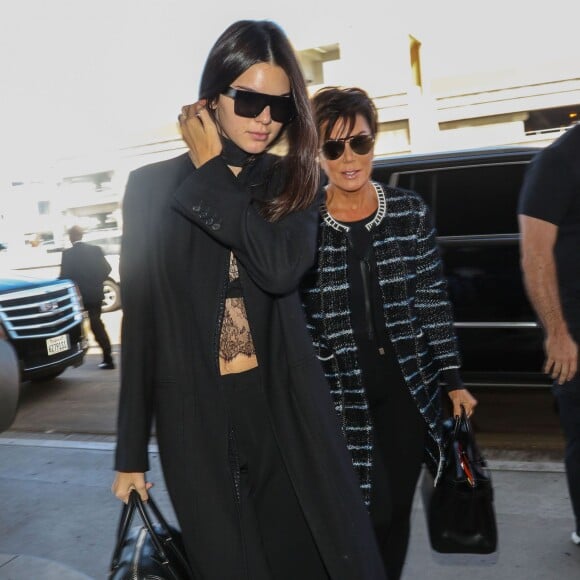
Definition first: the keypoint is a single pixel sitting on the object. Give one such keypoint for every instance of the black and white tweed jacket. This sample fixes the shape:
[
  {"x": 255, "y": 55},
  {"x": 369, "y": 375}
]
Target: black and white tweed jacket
[{"x": 418, "y": 317}]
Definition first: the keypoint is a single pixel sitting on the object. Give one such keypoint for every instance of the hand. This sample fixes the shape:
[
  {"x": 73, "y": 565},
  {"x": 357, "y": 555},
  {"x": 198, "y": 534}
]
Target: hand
[
  {"x": 125, "y": 482},
  {"x": 199, "y": 132},
  {"x": 462, "y": 398},
  {"x": 561, "y": 356}
]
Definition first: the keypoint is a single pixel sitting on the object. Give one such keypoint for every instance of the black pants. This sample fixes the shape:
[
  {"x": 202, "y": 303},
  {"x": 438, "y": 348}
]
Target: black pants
[
  {"x": 399, "y": 444},
  {"x": 568, "y": 403},
  {"x": 98, "y": 329},
  {"x": 278, "y": 541}
]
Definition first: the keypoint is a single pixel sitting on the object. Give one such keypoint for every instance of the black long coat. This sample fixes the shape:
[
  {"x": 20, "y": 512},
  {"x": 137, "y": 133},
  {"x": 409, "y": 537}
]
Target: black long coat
[{"x": 179, "y": 226}]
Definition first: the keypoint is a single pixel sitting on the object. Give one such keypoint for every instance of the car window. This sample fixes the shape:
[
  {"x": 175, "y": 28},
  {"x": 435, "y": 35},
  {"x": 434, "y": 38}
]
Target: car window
[
  {"x": 477, "y": 200},
  {"x": 420, "y": 182},
  {"x": 469, "y": 200}
]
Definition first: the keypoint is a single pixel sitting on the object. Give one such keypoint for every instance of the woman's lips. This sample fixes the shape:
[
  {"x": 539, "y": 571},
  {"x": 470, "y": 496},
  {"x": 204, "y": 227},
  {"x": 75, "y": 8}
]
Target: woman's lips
[
  {"x": 350, "y": 174},
  {"x": 259, "y": 136}
]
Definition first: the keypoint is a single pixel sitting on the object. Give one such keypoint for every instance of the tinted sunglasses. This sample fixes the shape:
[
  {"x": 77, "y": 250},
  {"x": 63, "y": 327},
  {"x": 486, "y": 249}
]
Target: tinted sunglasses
[
  {"x": 334, "y": 148},
  {"x": 250, "y": 104}
]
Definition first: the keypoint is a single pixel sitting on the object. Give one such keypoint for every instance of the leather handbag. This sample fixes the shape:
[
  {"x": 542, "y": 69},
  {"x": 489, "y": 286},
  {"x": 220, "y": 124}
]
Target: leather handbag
[
  {"x": 153, "y": 549},
  {"x": 460, "y": 510}
]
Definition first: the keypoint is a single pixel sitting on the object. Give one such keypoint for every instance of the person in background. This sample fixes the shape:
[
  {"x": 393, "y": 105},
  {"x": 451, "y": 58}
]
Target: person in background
[
  {"x": 215, "y": 348},
  {"x": 380, "y": 320},
  {"x": 549, "y": 220},
  {"x": 87, "y": 266}
]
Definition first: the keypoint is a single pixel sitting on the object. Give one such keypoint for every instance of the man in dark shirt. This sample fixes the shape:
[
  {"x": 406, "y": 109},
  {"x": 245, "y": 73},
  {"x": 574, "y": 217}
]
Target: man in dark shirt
[
  {"x": 549, "y": 217},
  {"x": 86, "y": 265}
]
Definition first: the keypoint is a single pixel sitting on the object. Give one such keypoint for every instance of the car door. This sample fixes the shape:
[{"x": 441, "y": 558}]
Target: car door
[{"x": 474, "y": 205}]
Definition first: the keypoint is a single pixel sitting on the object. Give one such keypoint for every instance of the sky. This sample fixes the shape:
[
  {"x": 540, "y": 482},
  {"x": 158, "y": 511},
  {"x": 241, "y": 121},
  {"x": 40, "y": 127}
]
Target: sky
[{"x": 79, "y": 76}]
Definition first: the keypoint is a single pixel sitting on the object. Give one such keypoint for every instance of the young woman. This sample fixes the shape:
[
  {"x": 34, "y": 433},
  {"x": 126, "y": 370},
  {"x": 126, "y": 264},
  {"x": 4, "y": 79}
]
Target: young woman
[
  {"x": 214, "y": 343},
  {"x": 380, "y": 320}
]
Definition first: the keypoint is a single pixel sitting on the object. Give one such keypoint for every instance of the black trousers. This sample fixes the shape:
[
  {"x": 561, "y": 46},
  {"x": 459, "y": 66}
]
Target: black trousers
[
  {"x": 98, "y": 329},
  {"x": 399, "y": 446},
  {"x": 278, "y": 541},
  {"x": 567, "y": 398}
]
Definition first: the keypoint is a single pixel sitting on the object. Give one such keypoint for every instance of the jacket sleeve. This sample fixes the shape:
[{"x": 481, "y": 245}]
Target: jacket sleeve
[
  {"x": 64, "y": 265},
  {"x": 431, "y": 299},
  {"x": 275, "y": 254},
  {"x": 137, "y": 335},
  {"x": 104, "y": 266}
]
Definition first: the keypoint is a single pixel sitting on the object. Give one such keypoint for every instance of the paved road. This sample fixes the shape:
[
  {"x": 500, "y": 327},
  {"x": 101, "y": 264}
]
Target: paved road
[{"x": 58, "y": 517}]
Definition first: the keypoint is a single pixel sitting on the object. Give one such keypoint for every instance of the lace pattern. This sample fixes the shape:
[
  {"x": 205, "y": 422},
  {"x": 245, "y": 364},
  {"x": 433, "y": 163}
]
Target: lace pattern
[{"x": 236, "y": 338}]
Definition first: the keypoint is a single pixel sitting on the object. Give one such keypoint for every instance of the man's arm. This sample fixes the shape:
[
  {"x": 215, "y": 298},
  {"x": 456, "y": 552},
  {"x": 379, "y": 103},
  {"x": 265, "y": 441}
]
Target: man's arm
[{"x": 538, "y": 238}]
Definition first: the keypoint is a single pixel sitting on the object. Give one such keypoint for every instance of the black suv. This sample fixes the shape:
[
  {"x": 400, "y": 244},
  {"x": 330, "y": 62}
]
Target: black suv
[
  {"x": 43, "y": 320},
  {"x": 473, "y": 195}
]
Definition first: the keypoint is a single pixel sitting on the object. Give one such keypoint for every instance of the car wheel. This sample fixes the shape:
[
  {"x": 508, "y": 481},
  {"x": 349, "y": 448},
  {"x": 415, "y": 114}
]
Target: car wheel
[{"x": 112, "y": 298}]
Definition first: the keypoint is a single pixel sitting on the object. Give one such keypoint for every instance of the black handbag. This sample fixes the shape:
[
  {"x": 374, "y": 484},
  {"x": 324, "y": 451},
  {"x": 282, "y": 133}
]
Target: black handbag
[
  {"x": 460, "y": 510},
  {"x": 151, "y": 550}
]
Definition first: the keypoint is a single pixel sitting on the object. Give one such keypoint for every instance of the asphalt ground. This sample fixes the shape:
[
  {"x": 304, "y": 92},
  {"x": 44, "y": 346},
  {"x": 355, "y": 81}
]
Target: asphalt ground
[{"x": 58, "y": 517}]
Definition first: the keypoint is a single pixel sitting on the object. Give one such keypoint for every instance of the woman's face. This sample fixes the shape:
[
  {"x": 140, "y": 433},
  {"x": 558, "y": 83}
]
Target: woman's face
[
  {"x": 253, "y": 134},
  {"x": 351, "y": 172}
]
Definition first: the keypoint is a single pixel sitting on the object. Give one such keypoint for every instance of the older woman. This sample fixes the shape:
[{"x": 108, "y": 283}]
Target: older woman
[{"x": 380, "y": 320}]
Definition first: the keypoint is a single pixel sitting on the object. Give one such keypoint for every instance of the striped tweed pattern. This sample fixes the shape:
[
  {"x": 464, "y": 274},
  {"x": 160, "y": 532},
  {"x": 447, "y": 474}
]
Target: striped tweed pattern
[
  {"x": 342, "y": 368},
  {"x": 418, "y": 317}
]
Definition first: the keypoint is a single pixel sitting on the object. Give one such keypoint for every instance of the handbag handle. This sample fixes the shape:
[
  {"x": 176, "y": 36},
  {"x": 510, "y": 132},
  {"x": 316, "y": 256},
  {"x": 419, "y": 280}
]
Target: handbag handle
[
  {"x": 136, "y": 503},
  {"x": 462, "y": 421}
]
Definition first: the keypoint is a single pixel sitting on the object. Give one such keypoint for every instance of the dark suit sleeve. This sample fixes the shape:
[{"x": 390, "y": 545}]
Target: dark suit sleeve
[
  {"x": 137, "y": 334},
  {"x": 103, "y": 264},
  {"x": 275, "y": 254},
  {"x": 65, "y": 265}
]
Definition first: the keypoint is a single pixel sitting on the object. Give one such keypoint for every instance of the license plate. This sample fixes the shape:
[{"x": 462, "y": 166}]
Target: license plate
[{"x": 57, "y": 344}]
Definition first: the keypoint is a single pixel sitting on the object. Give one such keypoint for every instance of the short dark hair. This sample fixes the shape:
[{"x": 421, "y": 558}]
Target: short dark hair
[
  {"x": 242, "y": 45},
  {"x": 333, "y": 104},
  {"x": 75, "y": 233}
]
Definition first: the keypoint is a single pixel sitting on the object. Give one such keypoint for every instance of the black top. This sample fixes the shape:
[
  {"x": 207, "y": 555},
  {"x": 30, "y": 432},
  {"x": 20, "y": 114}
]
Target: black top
[
  {"x": 367, "y": 313},
  {"x": 551, "y": 192},
  {"x": 368, "y": 323},
  {"x": 366, "y": 302}
]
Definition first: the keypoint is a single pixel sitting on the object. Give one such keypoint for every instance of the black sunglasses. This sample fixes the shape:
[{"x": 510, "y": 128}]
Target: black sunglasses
[
  {"x": 334, "y": 148},
  {"x": 250, "y": 104}
]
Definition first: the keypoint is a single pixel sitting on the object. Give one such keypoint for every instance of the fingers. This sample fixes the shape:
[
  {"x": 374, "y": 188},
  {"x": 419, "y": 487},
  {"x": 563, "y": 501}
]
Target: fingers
[
  {"x": 193, "y": 111},
  {"x": 459, "y": 406},
  {"x": 561, "y": 371},
  {"x": 572, "y": 370},
  {"x": 462, "y": 399},
  {"x": 125, "y": 483}
]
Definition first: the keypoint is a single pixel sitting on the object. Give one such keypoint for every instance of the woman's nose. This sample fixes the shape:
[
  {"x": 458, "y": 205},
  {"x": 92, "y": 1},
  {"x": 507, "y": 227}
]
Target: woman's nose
[
  {"x": 348, "y": 152},
  {"x": 265, "y": 117}
]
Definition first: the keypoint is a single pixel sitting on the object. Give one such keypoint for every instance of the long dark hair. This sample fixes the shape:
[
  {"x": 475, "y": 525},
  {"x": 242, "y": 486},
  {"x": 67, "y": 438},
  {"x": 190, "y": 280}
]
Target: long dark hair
[
  {"x": 334, "y": 104},
  {"x": 242, "y": 45}
]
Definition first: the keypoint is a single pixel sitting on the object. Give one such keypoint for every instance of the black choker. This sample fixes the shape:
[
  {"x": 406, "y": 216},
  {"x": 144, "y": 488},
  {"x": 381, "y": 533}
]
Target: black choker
[{"x": 232, "y": 154}]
